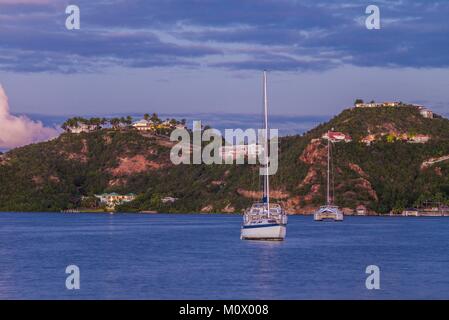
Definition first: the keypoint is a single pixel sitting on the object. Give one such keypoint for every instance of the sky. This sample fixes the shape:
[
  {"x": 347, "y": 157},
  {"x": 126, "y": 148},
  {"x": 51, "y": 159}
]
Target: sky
[{"x": 207, "y": 56}]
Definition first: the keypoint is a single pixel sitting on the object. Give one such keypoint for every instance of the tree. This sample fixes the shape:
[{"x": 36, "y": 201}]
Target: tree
[
  {"x": 155, "y": 201},
  {"x": 115, "y": 123},
  {"x": 70, "y": 123},
  {"x": 391, "y": 138},
  {"x": 358, "y": 101},
  {"x": 155, "y": 118},
  {"x": 146, "y": 116}
]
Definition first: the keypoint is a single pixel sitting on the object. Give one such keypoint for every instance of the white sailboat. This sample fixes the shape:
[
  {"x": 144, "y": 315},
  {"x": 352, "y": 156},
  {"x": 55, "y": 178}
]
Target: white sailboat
[
  {"x": 328, "y": 211},
  {"x": 264, "y": 220}
]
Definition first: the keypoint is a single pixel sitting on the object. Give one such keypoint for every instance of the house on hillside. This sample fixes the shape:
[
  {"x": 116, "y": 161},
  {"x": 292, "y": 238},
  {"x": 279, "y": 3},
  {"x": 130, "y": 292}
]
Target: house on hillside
[
  {"x": 81, "y": 128},
  {"x": 368, "y": 105},
  {"x": 361, "y": 210},
  {"x": 410, "y": 212},
  {"x": 391, "y": 104},
  {"x": 166, "y": 200},
  {"x": 426, "y": 113},
  {"x": 144, "y": 125},
  {"x": 237, "y": 151},
  {"x": 368, "y": 139},
  {"x": 113, "y": 199},
  {"x": 419, "y": 138},
  {"x": 336, "y": 136}
]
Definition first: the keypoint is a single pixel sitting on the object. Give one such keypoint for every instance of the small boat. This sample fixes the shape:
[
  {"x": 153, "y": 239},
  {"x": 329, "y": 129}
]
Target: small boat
[
  {"x": 328, "y": 211},
  {"x": 264, "y": 220}
]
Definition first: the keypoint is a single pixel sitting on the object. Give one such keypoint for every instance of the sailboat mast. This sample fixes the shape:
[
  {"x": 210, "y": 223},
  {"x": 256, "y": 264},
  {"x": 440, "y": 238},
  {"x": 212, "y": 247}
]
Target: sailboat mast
[
  {"x": 328, "y": 167},
  {"x": 266, "y": 179}
]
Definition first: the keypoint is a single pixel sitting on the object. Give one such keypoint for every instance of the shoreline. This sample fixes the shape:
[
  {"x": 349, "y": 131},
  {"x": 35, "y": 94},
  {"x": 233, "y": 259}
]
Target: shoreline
[{"x": 92, "y": 212}]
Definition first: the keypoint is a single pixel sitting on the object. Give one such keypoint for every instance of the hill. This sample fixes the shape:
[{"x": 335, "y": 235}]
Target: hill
[{"x": 385, "y": 167}]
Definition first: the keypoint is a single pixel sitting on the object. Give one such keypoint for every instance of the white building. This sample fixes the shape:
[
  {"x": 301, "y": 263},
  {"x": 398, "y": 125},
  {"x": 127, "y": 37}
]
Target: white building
[
  {"x": 81, "y": 128},
  {"x": 144, "y": 125},
  {"x": 426, "y": 113},
  {"x": 378, "y": 104},
  {"x": 337, "y": 136},
  {"x": 243, "y": 150},
  {"x": 168, "y": 199},
  {"x": 113, "y": 199}
]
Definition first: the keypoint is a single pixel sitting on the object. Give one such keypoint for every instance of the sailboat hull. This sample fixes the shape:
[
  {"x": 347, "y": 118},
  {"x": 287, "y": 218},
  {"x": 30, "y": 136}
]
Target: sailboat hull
[
  {"x": 328, "y": 213},
  {"x": 272, "y": 232}
]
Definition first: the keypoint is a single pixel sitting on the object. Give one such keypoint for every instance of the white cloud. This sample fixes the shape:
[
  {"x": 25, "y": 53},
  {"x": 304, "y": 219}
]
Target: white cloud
[{"x": 18, "y": 131}]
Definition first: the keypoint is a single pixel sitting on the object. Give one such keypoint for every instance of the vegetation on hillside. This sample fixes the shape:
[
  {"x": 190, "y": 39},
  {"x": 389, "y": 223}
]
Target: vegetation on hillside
[{"x": 67, "y": 172}]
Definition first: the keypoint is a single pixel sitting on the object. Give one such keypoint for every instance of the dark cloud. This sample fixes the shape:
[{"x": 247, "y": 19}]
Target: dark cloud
[{"x": 237, "y": 34}]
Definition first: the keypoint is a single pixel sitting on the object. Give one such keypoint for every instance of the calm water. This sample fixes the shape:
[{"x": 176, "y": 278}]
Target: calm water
[{"x": 201, "y": 257}]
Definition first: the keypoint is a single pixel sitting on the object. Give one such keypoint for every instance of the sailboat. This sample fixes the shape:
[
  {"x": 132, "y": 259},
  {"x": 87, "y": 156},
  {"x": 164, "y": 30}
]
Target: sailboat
[
  {"x": 264, "y": 220},
  {"x": 328, "y": 211}
]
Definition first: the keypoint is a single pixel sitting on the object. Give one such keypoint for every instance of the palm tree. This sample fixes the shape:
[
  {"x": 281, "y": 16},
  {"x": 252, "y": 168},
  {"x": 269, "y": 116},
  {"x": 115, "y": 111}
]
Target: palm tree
[
  {"x": 155, "y": 118},
  {"x": 70, "y": 123},
  {"x": 115, "y": 123}
]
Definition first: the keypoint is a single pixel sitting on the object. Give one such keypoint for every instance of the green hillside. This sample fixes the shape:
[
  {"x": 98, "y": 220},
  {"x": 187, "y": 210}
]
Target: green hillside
[{"x": 386, "y": 175}]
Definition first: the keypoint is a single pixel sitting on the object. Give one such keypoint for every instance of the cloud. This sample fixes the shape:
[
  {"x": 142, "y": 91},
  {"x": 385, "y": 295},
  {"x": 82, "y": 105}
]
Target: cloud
[
  {"x": 25, "y": 1},
  {"x": 282, "y": 35},
  {"x": 16, "y": 131}
]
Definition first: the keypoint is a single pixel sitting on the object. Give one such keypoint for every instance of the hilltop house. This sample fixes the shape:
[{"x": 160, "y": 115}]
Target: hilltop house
[
  {"x": 337, "y": 136},
  {"x": 81, "y": 128},
  {"x": 426, "y": 113},
  {"x": 378, "y": 104},
  {"x": 144, "y": 125},
  {"x": 113, "y": 199}
]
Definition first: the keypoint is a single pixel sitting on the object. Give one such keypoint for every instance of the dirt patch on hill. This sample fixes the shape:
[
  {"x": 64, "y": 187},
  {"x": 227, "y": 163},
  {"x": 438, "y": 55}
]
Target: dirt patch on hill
[
  {"x": 356, "y": 168},
  {"x": 310, "y": 177},
  {"x": 75, "y": 156},
  {"x": 314, "y": 153},
  {"x": 314, "y": 191},
  {"x": 133, "y": 165},
  {"x": 37, "y": 180},
  {"x": 54, "y": 179},
  {"x": 365, "y": 184}
]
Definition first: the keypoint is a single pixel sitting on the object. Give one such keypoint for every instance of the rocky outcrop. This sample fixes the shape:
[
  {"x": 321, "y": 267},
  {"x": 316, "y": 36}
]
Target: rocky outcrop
[{"x": 314, "y": 153}]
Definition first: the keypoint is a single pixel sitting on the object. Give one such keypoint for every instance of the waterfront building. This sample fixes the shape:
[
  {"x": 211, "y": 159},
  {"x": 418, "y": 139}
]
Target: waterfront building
[{"x": 113, "y": 199}]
